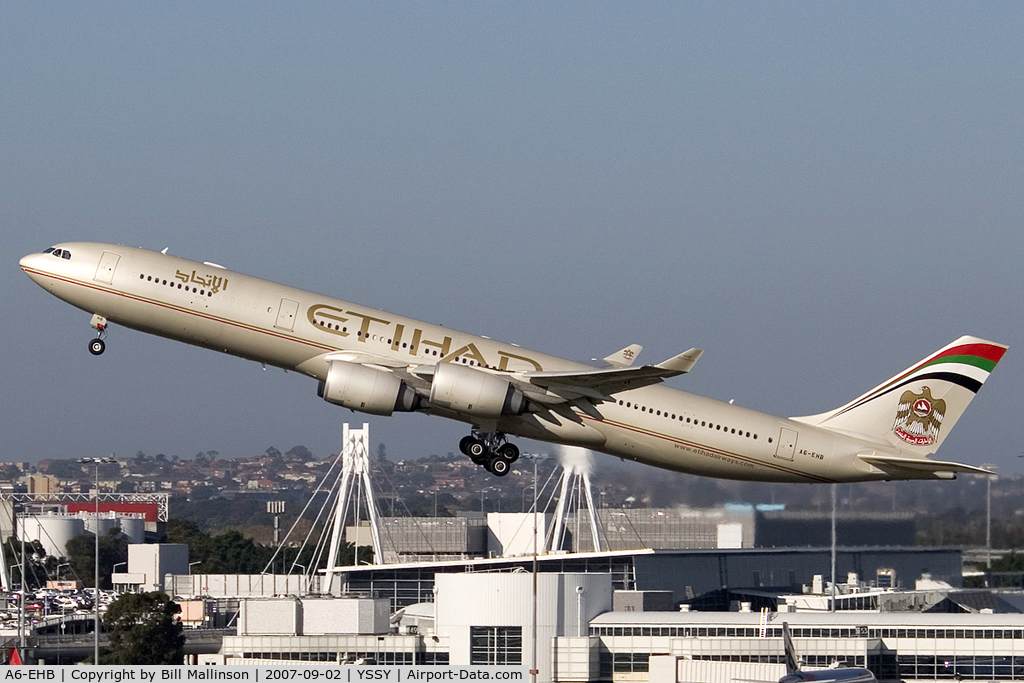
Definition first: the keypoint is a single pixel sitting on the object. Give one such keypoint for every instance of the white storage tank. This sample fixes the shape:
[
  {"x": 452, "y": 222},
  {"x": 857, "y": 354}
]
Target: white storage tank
[
  {"x": 134, "y": 528},
  {"x": 106, "y": 522},
  {"x": 52, "y": 531}
]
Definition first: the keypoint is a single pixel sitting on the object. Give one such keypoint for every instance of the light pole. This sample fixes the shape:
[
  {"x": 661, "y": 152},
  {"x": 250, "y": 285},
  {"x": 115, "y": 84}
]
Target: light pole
[
  {"x": 989, "y": 478},
  {"x": 832, "y": 600},
  {"x": 303, "y": 590},
  {"x": 114, "y": 571},
  {"x": 96, "y": 587},
  {"x": 533, "y": 622},
  {"x": 523, "y": 501},
  {"x": 21, "y": 610}
]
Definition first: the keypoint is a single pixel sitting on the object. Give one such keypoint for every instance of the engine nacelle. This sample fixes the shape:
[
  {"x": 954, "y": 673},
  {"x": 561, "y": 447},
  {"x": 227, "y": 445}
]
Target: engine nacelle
[
  {"x": 365, "y": 389},
  {"x": 474, "y": 392}
]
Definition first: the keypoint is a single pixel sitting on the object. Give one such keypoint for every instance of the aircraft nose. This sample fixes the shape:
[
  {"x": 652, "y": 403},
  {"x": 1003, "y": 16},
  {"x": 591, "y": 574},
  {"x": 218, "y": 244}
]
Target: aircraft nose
[
  {"x": 29, "y": 262},
  {"x": 34, "y": 266}
]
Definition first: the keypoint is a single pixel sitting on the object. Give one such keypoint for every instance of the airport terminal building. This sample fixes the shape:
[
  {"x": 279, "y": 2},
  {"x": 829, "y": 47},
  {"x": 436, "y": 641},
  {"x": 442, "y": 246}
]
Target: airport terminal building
[
  {"x": 631, "y": 616},
  {"x": 586, "y": 631}
]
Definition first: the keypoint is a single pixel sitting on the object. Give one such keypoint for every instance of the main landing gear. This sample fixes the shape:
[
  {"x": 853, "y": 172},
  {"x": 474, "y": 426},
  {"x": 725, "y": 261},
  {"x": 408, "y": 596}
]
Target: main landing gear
[
  {"x": 97, "y": 345},
  {"x": 491, "y": 450}
]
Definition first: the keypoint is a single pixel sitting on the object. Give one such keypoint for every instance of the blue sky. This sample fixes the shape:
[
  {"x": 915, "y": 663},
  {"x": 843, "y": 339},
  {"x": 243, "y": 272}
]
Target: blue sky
[{"x": 817, "y": 194}]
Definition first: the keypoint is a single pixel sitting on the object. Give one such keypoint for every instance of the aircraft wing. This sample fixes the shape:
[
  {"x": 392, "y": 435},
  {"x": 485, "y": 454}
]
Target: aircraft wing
[
  {"x": 364, "y": 359},
  {"x": 601, "y": 384},
  {"x": 937, "y": 467}
]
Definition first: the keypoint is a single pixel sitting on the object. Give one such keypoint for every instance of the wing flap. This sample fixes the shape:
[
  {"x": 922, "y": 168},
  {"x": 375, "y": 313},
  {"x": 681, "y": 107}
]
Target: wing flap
[{"x": 601, "y": 384}]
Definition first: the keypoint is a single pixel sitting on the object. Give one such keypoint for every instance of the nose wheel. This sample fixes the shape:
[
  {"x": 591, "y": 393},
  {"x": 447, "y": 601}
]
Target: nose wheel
[
  {"x": 97, "y": 345},
  {"x": 491, "y": 451}
]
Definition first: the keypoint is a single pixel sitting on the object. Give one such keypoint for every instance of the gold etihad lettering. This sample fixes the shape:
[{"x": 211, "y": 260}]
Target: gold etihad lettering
[
  {"x": 469, "y": 351},
  {"x": 214, "y": 283},
  {"x": 364, "y": 329},
  {"x": 332, "y": 319},
  {"x": 417, "y": 340},
  {"x": 324, "y": 312},
  {"x": 505, "y": 356}
]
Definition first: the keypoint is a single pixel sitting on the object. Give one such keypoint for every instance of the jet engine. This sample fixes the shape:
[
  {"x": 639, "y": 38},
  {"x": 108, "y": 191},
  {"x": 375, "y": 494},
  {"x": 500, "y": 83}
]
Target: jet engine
[
  {"x": 367, "y": 390},
  {"x": 474, "y": 392}
]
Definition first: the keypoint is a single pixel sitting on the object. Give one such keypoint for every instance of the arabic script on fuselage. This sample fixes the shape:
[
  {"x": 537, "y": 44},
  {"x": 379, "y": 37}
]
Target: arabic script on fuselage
[{"x": 214, "y": 283}]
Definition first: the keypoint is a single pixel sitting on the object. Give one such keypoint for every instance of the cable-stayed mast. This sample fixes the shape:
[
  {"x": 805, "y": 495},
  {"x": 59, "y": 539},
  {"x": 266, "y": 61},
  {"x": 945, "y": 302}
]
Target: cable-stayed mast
[
  {"x": 574, "y": 496},
  {"x": 355, "y": 490}
]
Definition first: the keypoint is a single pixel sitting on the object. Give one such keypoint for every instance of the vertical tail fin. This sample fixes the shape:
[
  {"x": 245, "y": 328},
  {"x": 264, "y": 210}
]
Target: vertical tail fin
[
  {"x": 792, "y": 663},
  {"x": 916, "y": 409}
]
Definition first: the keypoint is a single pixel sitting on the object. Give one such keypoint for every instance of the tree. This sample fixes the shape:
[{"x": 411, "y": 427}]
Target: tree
[
  {"x": 39, "y": 567},
  {"x": 202, "y": 492},
  {"x": 81, "y": 556},
  {"x": 64, "y": 469},
  {"x": 300, "y": 453},
  {"x": 144, "y": 629}
]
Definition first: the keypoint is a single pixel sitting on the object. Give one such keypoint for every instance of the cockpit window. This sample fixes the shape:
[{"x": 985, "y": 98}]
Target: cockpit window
[
  {"x": 59, "y": 253},
  {"x": 48, "y": 250},
  {"x": 66, "y": 255}
]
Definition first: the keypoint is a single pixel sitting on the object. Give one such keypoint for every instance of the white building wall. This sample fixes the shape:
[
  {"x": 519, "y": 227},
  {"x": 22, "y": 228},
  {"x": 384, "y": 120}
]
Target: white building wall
[
  {"x": 672, "y": 669},
  {"x": 241, "y": 585},
  {"x": 484, "y": 599},
  {"x": 510, "y": 534},
  {"x": 281, "y": 617},
  {"x": 323, "y": 616},
  {"x": 155, "y": 561}
]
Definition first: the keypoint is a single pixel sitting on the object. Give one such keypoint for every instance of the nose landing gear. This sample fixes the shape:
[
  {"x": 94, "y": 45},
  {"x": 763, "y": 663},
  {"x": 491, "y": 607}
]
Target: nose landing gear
[
  {"x": 492, "y": 450},
  {"x": 97, "y": 345}
]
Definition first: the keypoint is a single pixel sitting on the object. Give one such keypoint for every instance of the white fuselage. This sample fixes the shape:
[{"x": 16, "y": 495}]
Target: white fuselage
[{"x": 215, "y": 308}]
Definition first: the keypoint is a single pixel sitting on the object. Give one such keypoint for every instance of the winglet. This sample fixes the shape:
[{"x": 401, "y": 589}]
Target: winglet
[
  {"x": 684, "y": 362},
  {"x": 625, "y": 357}
]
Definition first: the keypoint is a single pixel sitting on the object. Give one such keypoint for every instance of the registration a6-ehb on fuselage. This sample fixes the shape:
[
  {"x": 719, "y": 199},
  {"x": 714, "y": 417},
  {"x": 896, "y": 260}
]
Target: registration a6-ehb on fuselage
[{"x": 382, "y": 363}]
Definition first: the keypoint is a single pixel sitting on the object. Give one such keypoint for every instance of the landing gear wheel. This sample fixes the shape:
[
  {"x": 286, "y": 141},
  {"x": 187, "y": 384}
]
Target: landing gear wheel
[
  {"x": 465, "y": 443},
  {"x": 499, "y": 466},
  {"x": 97, "y": 346},
  {"x": 509, "y": 453},
  {"x": 476, "y": 450}
]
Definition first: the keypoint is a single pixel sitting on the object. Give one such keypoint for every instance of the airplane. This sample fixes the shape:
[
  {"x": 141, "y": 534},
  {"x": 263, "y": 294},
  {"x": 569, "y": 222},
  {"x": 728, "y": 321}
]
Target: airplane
[
  {"x": 380, "y": 363},
  {"x": 834, "y": 675},
  {"x": 794, "y": 674}
]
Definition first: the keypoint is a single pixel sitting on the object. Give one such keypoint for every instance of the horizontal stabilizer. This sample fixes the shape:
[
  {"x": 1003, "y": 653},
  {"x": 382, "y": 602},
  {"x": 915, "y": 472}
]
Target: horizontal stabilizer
[{"x": 887, "y": 462}]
